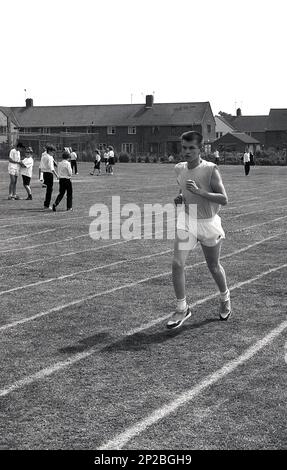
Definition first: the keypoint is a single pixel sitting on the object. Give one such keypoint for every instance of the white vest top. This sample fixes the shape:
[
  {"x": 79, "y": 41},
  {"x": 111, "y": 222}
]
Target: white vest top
[{"x": 202, "y": 176}]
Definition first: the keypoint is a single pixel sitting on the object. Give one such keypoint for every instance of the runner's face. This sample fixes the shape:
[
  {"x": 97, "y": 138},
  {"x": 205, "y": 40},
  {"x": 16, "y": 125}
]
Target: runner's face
[{"x": 190, "y": 150}]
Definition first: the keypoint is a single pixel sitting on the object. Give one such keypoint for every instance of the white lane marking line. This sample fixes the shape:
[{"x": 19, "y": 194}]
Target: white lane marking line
[
  {"x": 184, "y": 398},
  {"x": 47, "y": 371},
  {"x": 258, "y": 225},
  {"x": 79, "y": 236},
  {"x": 251, "y": 197},
  {"x": 88, "y": 235},
  {"x": 84, "y": 271},
  {"x": 266, "y": 202},
  {"x": 31, "y": 234},
  {"x": 20, "y": 224},
  {"x": 124, "y": 286}
]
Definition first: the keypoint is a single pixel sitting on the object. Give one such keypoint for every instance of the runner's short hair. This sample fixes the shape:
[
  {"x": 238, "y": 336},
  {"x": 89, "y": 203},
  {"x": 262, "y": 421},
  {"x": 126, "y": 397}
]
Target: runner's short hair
[{"x": 192, "y": 136}]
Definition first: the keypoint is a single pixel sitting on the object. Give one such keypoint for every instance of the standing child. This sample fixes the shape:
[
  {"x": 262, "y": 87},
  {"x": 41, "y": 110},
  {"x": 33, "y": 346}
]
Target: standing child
[
  {"x": 47, "y": 166},
  {"x": 106, "y": 159},
  {"x": 97, "y": 165},
  {"x": 14, "y": 169},
  {"x": 65, "y": 183},
  {"x": 27, "y": 170},
  {"x": 202, "y": 193},
  {"x": 73, "y": 157},
  {"x": 246, "y": 162},
  {"x": 111, "y": 160}
]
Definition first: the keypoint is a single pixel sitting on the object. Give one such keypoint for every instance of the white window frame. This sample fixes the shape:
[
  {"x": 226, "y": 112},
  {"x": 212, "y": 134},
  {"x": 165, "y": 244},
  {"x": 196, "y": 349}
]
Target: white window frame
[
  {"x": 132, "y": 130},
  {"x": 46, "y": 130},
  {"x": 128, "y": 147},
  {"x": 111, "y": 130}
]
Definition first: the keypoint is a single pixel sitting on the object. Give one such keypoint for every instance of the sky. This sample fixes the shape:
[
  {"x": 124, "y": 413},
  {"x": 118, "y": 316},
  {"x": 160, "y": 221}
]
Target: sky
[{"x": 231, "y": 53}]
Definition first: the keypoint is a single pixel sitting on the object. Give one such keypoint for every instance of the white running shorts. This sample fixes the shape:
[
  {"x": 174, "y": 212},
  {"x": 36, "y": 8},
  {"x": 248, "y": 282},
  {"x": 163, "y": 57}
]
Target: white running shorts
[{"x": 208, "y": 232}]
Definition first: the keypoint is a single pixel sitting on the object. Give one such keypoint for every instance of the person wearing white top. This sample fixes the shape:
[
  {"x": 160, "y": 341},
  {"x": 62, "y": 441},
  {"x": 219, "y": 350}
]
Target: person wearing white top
[
  {"x": 27, "y": 170},
  {"x": 111, "y": 160},
  {"x": 14, "y": 169},
  {"x": 106, "y": 159},
  {"x": 97, "y": 163},
  {"x": 216, "y": 157},
  {"x": 47, "y": 167},
  {"x": 65, "y": 183},
  {"x": 73, "y": 157},
  {"x": 201, "y": 194},
  {"x": 246, "y": 162}
]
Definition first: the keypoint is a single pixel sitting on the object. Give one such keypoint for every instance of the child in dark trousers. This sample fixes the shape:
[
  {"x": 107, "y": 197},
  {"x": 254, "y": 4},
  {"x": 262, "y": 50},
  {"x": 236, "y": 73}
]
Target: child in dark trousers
[{"x": 65, "y": 184}]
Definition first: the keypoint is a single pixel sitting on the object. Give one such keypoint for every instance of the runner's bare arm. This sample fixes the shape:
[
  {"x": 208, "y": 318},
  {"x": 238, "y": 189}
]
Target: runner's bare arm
[{"x": 218, "y": 195}]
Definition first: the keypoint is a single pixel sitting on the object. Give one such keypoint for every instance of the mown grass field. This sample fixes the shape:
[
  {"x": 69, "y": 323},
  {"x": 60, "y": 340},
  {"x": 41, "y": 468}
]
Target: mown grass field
[{"x": 86, "y": 360}]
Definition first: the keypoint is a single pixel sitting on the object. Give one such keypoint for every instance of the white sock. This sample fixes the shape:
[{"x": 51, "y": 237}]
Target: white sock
[
  {"x": 225, "y": 295},
  {"x": 181, "y": 305}
]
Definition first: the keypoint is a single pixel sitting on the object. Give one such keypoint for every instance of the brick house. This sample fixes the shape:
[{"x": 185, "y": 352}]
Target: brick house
[
  {"x": 253, "y": 125},
  {"x": 150, "y": 128},
  {"x": 276, "y": 132},
  {"x": 236, "y": 142}
]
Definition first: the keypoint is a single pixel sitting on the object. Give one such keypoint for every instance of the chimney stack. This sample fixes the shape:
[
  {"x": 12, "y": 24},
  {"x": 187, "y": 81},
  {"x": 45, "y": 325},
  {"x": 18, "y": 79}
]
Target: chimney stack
[
  {"x": 238, "y": 112},
  {"x": 149, "y": 101},
  {"x": 29, "y": 103}
]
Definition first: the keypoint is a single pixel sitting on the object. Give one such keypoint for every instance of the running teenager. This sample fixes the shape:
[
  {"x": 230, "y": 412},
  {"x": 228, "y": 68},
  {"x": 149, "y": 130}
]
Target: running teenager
[{"x": 201, "y": 194}]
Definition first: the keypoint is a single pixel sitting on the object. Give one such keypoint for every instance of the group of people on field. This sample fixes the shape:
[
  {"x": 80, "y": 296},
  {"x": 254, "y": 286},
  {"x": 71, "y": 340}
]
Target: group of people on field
[
  {"x": 108, "y": 159},
  {"x": 21, "y": 162}
]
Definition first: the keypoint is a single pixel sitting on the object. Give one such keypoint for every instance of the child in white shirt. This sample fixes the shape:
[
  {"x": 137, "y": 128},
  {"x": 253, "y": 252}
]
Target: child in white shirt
[
  {"x": 65, "y": 183},
  {"x": 27, "y": 170}
]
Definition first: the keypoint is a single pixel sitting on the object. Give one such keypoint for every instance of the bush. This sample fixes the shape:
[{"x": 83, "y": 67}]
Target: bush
[
  {"x": 147, "y": 159},
  {"x": 124, "y": 157}
]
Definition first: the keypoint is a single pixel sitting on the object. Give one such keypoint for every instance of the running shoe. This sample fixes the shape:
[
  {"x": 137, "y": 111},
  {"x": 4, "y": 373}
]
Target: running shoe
[
  {"x": 225, "y": 309},
  {"x": 178, "y": 318}
]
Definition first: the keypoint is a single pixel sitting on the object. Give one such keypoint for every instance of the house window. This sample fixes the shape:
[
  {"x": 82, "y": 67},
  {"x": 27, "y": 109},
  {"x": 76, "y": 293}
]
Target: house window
[
  {"x": 45, "y": 130},
  {"x": 208, "y": 128},
  {"x": 132, "y": 130},
  {"x": 3, "y": 130},
  {"x": 128, "y": 148},
  {"x": 207, "y": 148},
  {"x": 111, "y": 130},
  {"x": 155, "y": 130}
]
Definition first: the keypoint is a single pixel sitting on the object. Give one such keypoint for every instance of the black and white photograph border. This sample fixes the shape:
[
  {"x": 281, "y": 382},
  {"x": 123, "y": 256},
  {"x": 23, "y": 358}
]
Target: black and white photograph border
[{"x": 143, "y": 168}]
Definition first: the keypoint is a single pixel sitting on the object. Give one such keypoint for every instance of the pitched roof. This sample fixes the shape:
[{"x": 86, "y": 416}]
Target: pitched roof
[
  {"x": 112, "y": 115},
  {"x": 245, "y": 138},
  {"x": 9, "y": 113},
  {"x": 277, "y": 120},
  {"x": 225, "y": 121},
  {"x": 250, "y": 123}
]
